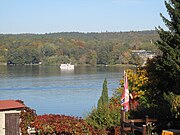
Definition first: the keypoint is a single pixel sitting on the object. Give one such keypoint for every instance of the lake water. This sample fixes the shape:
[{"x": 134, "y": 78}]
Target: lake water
[{"x": 49, "y": 90}]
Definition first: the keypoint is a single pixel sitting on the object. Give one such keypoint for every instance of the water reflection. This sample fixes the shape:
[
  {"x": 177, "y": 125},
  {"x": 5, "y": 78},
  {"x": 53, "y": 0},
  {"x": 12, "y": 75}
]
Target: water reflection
[
  {"x": 66, "y": 72},
  {"x": 3, "y": 71}
]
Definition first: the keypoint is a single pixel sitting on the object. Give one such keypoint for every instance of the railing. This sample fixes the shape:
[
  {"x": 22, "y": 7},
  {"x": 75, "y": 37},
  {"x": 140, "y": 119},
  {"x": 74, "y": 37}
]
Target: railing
[{"x": 128, "y": 125}]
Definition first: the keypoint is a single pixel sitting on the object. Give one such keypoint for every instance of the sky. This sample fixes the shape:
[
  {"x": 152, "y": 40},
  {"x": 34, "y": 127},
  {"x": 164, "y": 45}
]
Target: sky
[{"x": 49, "y": 16}]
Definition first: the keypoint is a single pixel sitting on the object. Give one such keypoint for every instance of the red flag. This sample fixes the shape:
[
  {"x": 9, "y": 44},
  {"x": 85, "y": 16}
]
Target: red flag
[{"x": 125, "y": 94}]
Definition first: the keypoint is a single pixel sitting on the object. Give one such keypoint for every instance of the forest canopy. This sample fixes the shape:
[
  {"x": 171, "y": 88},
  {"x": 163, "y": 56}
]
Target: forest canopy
[{"x": 77, "y": 48}]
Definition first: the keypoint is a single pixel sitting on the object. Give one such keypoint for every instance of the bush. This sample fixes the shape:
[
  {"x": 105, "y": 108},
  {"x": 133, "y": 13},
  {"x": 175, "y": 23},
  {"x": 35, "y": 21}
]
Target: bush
[
  {"x": 176, "y": 106},
  {"x": 62, "y": 125},
  {"x": 107, "y": 114},
  {"x": 27, "y": 116},
  {"x": 104, "y": 118}
]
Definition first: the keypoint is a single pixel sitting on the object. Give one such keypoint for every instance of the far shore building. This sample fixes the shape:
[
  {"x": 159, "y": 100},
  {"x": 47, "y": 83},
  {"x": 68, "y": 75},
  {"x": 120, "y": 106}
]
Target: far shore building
[
  {"x": 10, "y": 116},
  {"x": 144, "y": 55}
]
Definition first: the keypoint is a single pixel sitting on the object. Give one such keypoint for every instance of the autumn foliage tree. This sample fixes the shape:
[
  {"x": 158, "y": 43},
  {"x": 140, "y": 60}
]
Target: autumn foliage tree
[{"x": 137, "y": 80}]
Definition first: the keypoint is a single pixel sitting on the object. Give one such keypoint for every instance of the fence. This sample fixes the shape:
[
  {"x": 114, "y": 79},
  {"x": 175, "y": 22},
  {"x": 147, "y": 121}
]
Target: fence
[{"x": 128, "y": 125}]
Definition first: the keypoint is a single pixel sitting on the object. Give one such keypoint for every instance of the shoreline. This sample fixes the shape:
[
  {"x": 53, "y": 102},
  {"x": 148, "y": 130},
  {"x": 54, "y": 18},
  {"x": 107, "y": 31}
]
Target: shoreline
[{"x": 77, "y": 65}]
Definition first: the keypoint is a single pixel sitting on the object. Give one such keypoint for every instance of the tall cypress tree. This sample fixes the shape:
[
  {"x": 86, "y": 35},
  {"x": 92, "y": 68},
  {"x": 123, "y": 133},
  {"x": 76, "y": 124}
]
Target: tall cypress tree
[
  {"x": 165, "y": 69},
  {"x": 103, "y": 100}
]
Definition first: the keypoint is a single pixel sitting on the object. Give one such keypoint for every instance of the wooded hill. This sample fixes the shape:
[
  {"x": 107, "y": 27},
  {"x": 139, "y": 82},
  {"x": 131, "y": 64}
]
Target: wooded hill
[{"x": 77, "y": 48}]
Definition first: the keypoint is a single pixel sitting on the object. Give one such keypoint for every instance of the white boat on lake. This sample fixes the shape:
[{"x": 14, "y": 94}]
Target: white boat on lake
[{"x": 67, "y": 66}]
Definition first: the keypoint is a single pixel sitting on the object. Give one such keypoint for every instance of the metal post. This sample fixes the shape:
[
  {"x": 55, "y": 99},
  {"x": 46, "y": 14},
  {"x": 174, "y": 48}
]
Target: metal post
[
  {"x": 144, "y": 129},
  {"x": 146, "y": 119},
  {"x": 122, "y": 120},
  {"x": 132, "y": 129},
  {"x": 122, "y": 115}
]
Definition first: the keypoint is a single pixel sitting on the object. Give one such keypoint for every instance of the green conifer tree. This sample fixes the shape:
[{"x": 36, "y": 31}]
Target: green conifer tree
[
  {"x": 103, "y": 100},
  {"x": 165, "y": 69}
]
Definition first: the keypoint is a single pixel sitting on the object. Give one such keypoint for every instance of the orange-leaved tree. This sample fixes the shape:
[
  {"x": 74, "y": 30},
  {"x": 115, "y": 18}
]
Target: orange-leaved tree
[{"x": 137, "y": 81}]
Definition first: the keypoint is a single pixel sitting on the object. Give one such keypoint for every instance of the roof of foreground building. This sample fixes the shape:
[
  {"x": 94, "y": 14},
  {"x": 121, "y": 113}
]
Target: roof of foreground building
[{"x": 11, "y": 104}]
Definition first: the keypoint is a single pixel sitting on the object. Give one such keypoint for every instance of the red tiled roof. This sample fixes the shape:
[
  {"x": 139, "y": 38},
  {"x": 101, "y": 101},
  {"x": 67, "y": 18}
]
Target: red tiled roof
[{"x": 11, "y": 104}]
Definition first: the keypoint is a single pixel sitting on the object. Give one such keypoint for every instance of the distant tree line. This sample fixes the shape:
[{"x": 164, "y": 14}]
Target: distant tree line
[{"x": 77, "y": 48}]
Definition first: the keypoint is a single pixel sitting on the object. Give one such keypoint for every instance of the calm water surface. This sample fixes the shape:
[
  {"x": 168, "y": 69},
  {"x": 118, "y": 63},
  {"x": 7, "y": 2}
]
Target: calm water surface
[{"x": 47, "y": 89}]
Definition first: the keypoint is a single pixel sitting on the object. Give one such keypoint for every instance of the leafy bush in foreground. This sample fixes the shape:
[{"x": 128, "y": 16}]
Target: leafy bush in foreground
[
  {"x": 107, "y": 114},
  {"x": 27, "y": 116},
  {"x": 61, "y": 124}
]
